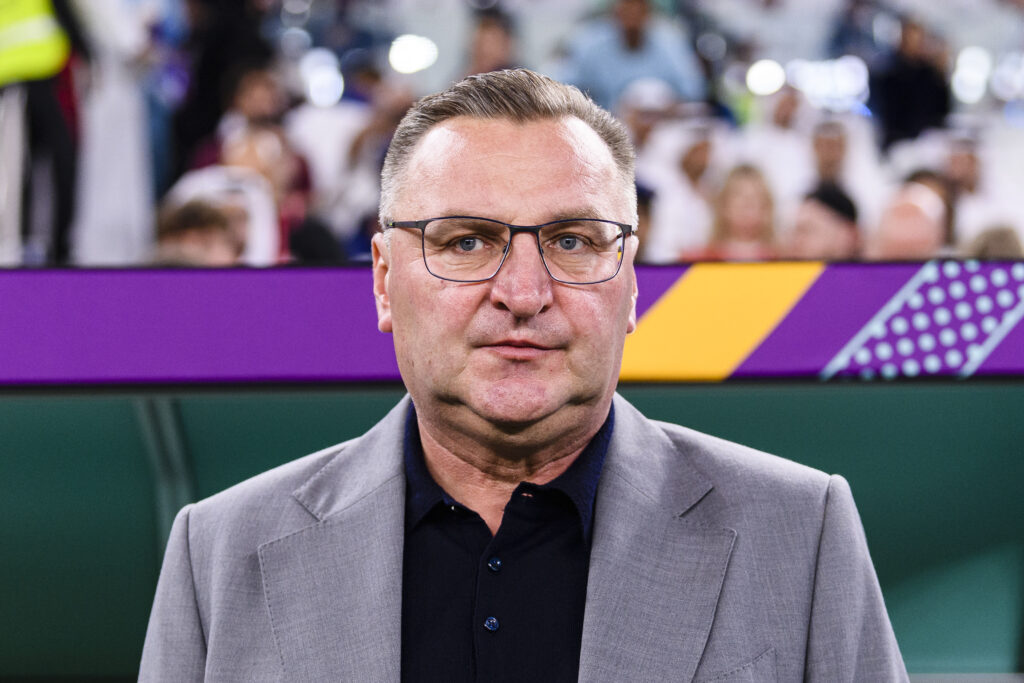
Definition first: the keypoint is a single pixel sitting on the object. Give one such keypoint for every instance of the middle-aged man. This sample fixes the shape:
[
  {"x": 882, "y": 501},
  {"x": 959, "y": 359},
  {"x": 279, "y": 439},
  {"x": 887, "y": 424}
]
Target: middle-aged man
[{"x": 513, "y": 519}]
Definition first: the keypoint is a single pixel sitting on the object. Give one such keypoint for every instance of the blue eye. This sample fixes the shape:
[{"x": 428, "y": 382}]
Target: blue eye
[
  {"x": 568, "y": 242},
  {"x": 468, "y": 243}
]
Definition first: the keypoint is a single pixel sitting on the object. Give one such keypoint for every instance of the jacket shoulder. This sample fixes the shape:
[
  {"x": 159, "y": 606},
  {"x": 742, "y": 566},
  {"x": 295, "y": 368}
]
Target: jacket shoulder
[
  {"x": 743, "y": 473},
  {"x": 727, "y": 461},
  {"x": 262, "y": 507}
]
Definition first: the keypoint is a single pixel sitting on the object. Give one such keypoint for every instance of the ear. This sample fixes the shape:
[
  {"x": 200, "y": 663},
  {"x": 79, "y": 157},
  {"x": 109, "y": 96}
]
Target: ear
[
  {"x": 631, "y": 324},
  {"x": 381, "y": 267},
  {"x": 634, "y": 247}
]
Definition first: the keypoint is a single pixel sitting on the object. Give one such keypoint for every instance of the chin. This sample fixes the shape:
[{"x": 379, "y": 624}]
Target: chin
[{"x": 517, "y": 402}]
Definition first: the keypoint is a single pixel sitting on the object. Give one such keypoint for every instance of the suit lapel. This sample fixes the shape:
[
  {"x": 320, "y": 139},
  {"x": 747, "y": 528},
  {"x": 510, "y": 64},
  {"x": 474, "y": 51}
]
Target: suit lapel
[
  {"x": 655, "y": 577},
  {"x": 333, "y": 590}
]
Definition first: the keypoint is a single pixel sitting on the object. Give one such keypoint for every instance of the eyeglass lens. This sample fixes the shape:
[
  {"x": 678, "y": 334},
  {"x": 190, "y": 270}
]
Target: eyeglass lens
[{"x": 472, "y": 249}]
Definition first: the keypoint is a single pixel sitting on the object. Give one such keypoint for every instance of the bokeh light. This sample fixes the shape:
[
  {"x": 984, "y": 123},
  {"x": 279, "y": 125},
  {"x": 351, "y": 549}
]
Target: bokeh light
[
  {"x": 765, "y": 76},
  {"x": 411, "y": 53}
]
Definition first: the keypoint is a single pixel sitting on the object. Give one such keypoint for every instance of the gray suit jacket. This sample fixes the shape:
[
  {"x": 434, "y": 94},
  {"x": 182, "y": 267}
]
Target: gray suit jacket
[{"x": 710, "y": 562}]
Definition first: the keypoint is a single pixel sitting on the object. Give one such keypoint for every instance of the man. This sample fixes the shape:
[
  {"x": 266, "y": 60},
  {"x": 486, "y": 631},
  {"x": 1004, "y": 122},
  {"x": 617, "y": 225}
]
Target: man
[
  {"x": 522, "y": 522},
  {"x": 609, "y": 53},
  {"x": 825, "y": 227},
  {"x": 910, "y": 92},
  {"x": 196, "y": 233}
]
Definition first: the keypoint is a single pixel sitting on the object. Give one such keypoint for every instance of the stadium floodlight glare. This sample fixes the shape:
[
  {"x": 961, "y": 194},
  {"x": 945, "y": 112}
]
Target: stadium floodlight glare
[
  {"x": 851, "y": 77},
  {"x": 321, "y": 77},
  {"x": 411, "y": 53},
  {"x": 765, "y": 77},
  {"x": 975, "y": 60},
  {"x": 973, "y": 69},
  {"x": 1008, "y": 77},
  {"x": 835, "y": 84},
  {"x": 325, "y": 88}
]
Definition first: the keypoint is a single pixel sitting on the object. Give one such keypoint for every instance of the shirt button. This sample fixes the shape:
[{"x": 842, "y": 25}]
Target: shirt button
[
  {"x": 491, "y": 624},
  {"x": 494, "y": 564}
]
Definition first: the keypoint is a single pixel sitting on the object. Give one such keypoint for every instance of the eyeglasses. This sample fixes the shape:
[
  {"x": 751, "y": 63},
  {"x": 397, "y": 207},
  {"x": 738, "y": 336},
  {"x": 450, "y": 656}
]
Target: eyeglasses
[{"x": 576, "y": 251}]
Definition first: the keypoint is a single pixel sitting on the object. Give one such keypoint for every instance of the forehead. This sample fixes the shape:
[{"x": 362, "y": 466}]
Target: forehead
[{"x": 512, "y": 171}]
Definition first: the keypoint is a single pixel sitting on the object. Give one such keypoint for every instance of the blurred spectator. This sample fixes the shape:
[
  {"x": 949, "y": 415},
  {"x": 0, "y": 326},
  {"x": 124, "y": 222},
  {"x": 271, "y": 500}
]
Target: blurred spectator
[
  {"x": 114, "y": 215},
  {"x": 742, "y": 229},
  {"x": 910, "y": 91},
  {"x": 979, "y": 200},
  {"x": 251, "y": 135},
  {"x": 644, "y": 104},
  {"x": 939, "y": 184},
  {"x": 492, "y": 45},
  {"x": 195, "y": 234},
  {"x": 301, "y": 183},
  {"x": 345, "y": 145},
  {"x": 780, "y": 29},
  {"x": 914, "y": 226},
  {"x": 165, "y": 78},
  {"x": 779, "y": 147},
  {"x": 39, "y": 155},
  {"x": 860, "y": 179},
  {"x": 680, "y": 210},
  {"x": 264, "y": 149},
  {"x": 999, "y": 242},
  {"x": 246, "y": 197},
  {"x": 854, "y": 31},
  {"x": 829, "y": 144},
  {"x": 256, "y": 100},
  {"x": 609, "y": 53},
  {"x": 223, "y": 36},
  {"x": 825, "y": 227},
  {"x": 644, "y": 200}
]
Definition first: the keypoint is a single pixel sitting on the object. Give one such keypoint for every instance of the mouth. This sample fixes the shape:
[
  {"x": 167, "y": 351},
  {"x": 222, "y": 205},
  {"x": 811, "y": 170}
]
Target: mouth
[{"x": 519, "y": 349}]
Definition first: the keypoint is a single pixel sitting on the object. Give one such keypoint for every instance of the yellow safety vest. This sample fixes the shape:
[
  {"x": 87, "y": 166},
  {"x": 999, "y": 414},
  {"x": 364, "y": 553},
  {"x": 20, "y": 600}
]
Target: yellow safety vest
[{"x": 32, "y": 43}]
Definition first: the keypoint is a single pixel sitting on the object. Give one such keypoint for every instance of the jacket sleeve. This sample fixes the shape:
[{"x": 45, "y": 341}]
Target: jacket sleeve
[
  {"x": 849, "y": 637},
  {"x": 175, "y": 648}
]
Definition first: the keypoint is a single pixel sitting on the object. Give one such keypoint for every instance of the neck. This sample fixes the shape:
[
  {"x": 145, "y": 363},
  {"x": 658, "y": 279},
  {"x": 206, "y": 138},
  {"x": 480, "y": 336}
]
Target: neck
[
  {"x": 482, "y": 474},
  {"x": 829, "y": 172},
  {"x": 633, "y": 38}
]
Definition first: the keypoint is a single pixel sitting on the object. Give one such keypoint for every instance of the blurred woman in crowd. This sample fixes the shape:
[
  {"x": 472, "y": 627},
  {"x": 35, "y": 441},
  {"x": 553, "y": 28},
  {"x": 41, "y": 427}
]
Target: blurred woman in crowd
[{"x": 742, "y": 229}]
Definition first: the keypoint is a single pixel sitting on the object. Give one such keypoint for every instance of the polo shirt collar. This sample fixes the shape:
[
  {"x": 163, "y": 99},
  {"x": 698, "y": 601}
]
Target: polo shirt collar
[{"x": 579, "y": 482}]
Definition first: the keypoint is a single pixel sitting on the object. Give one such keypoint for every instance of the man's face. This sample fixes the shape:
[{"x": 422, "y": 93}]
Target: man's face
[
  {"x": 519, "y": 348},
  {"x": 821, "y": 233},
  {"x": 632, "y": 15}
]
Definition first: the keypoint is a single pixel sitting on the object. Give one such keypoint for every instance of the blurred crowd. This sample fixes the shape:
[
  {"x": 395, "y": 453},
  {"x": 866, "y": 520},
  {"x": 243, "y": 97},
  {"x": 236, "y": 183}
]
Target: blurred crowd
[{"x": 251, "y": 132}]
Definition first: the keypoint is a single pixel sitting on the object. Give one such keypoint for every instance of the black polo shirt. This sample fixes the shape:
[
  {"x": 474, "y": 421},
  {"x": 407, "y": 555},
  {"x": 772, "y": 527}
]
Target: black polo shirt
[{"x": 502, "y": 608}]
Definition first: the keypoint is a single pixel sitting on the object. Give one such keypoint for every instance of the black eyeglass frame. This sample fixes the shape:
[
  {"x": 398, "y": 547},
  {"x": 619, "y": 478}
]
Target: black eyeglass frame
[{"x": 534, "y": 230}]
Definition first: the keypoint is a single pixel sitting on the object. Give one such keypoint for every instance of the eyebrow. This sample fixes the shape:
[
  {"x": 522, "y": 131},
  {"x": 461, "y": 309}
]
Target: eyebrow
[{"x": 558, "y": 216}]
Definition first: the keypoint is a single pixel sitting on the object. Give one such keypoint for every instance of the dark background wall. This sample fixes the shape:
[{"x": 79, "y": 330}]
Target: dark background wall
[{"x": 88, "y": 482}]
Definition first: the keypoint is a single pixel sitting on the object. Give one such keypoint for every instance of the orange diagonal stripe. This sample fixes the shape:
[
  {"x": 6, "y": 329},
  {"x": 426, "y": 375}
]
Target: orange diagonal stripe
[{"x": 712, "y": 319}]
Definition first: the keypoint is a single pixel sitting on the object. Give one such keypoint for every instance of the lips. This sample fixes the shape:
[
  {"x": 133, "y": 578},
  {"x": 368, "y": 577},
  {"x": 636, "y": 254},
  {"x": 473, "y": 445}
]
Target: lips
[
  {"x": 521, "y": 344},
  {"x": 519, "y": 349}
]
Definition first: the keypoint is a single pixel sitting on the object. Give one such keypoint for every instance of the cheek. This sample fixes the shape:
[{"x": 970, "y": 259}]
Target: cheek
[
  {"x": 429, "y": 321},
  {"x": 599, "y": 325}
]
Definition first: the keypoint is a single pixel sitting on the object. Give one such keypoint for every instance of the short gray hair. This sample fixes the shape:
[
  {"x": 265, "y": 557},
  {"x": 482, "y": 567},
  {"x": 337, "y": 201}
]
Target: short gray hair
[{"x": 517, "y": 95}]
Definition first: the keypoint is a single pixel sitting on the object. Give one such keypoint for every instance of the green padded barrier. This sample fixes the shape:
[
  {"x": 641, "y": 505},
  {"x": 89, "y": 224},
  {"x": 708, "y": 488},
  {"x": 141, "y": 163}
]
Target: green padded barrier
[
  {"x": 233, "y": 437},
  {"x": 935, "y": 467},
  {"x": 78, "y": 548},
  {"x": 964, "y": 615}
]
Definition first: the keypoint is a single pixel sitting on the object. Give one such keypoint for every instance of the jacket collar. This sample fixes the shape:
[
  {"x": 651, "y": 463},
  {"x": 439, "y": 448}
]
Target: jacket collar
[
  {"x": 333, "y": 590},
  {"x": 655, "y": 576}
]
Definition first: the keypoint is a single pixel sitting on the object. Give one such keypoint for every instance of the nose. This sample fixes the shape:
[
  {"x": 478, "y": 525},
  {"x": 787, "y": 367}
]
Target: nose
[{"x": 522, "y": 284}]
